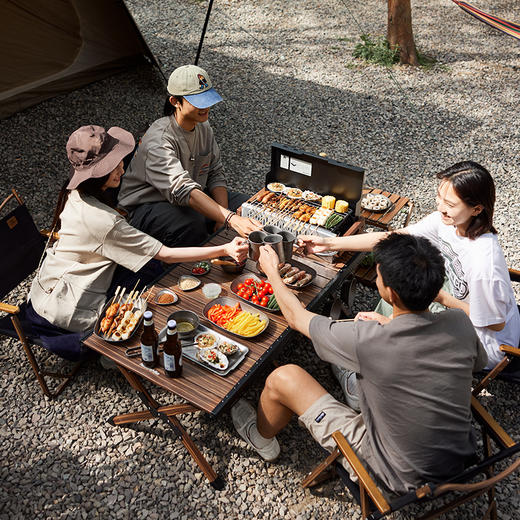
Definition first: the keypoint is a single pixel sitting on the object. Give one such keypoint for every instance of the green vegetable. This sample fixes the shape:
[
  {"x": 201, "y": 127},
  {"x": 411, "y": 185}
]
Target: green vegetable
[
  {"x": 273, "y": 304},
  {"x": 333, "y": 220}
]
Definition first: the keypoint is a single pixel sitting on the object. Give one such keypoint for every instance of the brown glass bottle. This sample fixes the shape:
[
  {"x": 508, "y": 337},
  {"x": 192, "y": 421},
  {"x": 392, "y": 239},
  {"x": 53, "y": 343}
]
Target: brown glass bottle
[
  {"x": 149, "y": 342},
  {"x": 172, "y": 351}
]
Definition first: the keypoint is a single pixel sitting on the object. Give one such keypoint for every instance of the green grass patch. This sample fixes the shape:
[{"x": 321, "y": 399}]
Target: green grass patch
[{"x": 376, "y": 50}]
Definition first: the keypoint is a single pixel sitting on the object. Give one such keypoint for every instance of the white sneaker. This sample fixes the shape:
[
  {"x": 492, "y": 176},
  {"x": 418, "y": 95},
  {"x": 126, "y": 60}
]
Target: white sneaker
[
  {"x": 244, "y": 420},
  {"x": 348, "y": 382}
]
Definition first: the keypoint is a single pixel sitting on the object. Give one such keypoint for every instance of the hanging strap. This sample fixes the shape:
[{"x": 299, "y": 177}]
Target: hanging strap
[{"x": 505, "y": 26}]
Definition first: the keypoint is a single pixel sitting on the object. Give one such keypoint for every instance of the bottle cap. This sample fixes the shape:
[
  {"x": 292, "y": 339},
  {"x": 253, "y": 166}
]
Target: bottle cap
[
  {"x": 172, "y": 324},
  {"x": 148, "y": 315}
]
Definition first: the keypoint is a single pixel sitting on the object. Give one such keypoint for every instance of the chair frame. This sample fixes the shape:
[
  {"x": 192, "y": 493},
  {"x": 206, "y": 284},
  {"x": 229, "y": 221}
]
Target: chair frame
[
  {"x": 14, "y": 310},
  {"x": 510, "y": 352},
  {"x": 374, "y": 505}
]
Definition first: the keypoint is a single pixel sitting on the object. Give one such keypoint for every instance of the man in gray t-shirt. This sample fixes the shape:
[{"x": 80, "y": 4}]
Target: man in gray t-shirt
[{"x": 414, "y": 374}]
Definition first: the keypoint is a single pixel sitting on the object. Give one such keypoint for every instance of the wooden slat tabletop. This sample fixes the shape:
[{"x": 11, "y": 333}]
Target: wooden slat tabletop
[
  {"x": 202, "y": 388},
  {"x": 383, "y": 219}
]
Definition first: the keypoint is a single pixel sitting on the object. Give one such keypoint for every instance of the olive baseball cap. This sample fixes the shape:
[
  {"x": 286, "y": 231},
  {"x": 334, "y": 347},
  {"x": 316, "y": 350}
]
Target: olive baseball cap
[
  {"x": 193, "y": 83},
  {"x": 95, "y": 152}
]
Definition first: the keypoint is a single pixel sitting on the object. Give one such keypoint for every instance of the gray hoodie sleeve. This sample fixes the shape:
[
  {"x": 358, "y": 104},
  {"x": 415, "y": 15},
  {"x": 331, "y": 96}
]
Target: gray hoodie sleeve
[{"x": 165, "y": 173}]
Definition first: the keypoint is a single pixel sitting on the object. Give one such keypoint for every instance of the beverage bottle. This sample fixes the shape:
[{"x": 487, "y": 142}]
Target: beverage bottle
[
  {"x": 149, "y": 342},
  {"x": 172, "y": 351}
]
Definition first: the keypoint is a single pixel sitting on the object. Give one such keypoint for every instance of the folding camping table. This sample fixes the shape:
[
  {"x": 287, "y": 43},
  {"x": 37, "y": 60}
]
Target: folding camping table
[{"x": 201, "y": 389}]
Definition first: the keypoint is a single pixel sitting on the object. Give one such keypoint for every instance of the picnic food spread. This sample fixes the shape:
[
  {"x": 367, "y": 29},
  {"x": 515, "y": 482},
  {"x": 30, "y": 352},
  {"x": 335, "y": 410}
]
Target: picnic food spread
[
  {"x": 200, "y": 268},
  {"x": 187, "y": 283},
  {"x": 120, "y": 320},
  {"x": 227, "y": 348},
  {"x": 236, "y": 320},
  {"x": 205, "y": 340},
  {"x": 375, "y": 202},
  {"x": 213, "y": 357}
]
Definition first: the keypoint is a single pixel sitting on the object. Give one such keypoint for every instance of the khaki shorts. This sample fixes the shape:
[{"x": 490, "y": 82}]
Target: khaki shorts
[{"x": 328, "y": 415}]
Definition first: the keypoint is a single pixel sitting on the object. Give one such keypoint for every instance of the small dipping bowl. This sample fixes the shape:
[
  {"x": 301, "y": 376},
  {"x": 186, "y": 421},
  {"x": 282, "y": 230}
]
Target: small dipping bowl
[
  {"x": 185, "y": 317},
  {"x": 211, "y": 290},
  {"x": 236, "y": 268},
  {"x": 186, "y": 280},
  {"x": 166, "y": 297}
]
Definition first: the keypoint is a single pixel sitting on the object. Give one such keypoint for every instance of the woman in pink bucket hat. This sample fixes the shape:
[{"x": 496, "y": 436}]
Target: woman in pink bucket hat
[{"x": 71, "y": 286}]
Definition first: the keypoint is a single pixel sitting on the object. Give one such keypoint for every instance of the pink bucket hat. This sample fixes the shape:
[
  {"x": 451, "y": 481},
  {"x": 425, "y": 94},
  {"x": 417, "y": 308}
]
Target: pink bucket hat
[{"x": 94, "y": 152}]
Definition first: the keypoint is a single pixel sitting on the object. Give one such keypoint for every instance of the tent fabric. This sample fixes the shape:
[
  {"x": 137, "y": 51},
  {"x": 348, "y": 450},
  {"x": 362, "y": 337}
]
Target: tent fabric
[
  {"x": 510, "y": 28},
  {"x": 52, "y": 47}
]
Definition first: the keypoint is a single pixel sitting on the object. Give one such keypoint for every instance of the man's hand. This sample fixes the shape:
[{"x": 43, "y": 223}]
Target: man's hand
[
  {"x": 237, "y": 249},
  {"x": 312, "y": 244},
  {"x": 244, "y": 225},
  {"x": 268, "y": 261},
  {"x": 372, "y": 316}
]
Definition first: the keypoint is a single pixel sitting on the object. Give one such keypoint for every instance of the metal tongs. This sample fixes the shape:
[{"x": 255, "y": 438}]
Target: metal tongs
[{"x": 135, "y": 351}]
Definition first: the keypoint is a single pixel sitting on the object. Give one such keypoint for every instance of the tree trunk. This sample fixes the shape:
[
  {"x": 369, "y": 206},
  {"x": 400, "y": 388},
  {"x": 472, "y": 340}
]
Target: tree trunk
[{"x": 400, "y": 30}]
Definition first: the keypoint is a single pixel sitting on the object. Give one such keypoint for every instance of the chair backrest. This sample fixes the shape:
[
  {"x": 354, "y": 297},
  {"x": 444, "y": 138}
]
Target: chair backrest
[{"x": 22, "y": 245}]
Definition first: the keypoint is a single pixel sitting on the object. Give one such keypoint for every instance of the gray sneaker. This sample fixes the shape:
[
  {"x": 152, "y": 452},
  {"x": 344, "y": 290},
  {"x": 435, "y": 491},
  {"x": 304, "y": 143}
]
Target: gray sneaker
[
  {"x": 244, "y": 419},
  {"x": 348, "y": 382}
]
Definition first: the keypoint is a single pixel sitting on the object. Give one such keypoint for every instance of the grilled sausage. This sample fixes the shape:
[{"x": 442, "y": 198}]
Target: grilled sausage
[
  {"x": 303, "y": 281},
  {"x": 289, "y": 280}
]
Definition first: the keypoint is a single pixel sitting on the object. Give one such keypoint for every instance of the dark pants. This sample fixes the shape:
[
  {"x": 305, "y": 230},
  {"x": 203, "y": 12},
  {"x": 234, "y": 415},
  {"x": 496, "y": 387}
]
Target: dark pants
[{"x": 178, "y": 226}]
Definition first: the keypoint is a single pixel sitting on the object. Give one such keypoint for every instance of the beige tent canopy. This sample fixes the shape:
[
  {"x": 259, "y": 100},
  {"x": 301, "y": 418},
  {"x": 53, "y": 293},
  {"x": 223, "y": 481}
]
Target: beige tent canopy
[{"x": 53, "y": 46}]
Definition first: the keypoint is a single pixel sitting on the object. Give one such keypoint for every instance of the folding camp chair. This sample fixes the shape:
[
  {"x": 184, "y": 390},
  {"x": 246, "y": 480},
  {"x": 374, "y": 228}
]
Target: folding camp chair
[
  {"x": 509, "y": 368},
  {"x": 22, "y": 249},
  {"x": 475, "y": 481}
]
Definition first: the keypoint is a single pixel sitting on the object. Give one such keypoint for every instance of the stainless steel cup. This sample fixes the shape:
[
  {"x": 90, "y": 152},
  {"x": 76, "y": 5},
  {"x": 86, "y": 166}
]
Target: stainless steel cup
[
  {"x": 271, "y": 230},
  {"x": 255, "y": 240},
  {"x": 288, "y": 240},
  {"x": 276, "y": 242}
]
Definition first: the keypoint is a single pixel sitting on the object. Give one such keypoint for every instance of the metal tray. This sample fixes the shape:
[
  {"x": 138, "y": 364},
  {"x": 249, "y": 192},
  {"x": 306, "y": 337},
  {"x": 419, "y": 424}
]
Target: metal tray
[
  {"x": 140, "y": 304},
  {"x": 240, "y": 279},
  {"x": 190, "y": 352},
  {"x": 301, "y": 266},
  {"x": 382, "y": 210},
  {"x": 227, "y": 300}
]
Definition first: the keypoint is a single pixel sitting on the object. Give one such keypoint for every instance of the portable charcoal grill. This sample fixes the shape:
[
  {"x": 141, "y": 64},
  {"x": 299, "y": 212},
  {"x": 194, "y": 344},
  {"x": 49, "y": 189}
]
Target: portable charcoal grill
[{"x": 298, "y": 169}]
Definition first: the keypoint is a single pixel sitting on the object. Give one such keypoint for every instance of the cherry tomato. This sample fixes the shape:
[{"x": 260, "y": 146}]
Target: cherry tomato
[
  {"x": 264, "y": 301},
  {"x": 270, "y": 290},
  {"x": 240, "y": 286},
  {"x": 262, "y": 292},
  {"x": 255, "y": 299},
  {"x": 249, "y": 281}
]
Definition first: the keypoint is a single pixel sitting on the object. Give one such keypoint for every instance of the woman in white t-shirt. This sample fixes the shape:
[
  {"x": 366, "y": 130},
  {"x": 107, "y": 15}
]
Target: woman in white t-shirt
[
  {"x": 70, "y": 288},
  {"x": 462, "y": 229}
]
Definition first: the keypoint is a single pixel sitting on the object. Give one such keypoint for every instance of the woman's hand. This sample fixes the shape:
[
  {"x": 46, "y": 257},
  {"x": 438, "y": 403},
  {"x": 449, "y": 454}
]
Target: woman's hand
[
  {"x": 372, "y": 316},
  {"x": 312, "y": 244},
  {"x": 244, "y": 225},
  {"x": 237, "y": 249},
  {"x": 268, "y": 260}
]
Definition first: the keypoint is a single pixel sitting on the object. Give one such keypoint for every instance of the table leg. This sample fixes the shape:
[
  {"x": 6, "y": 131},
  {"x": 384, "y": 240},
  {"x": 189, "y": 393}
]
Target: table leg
[{"x": 168, "y": 415}]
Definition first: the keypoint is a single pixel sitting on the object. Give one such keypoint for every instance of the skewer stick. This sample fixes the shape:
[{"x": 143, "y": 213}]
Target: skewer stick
[
  {"x": 141, "y": 293},
  {"x": 149, "y": 293},
  {"x": 116, "y": 293},
  {"x": 121, "y": 295}
]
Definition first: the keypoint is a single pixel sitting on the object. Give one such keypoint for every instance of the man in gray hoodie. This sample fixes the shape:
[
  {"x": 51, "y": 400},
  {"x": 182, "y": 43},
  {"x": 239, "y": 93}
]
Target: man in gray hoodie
[{"x": 174, "y": 185}]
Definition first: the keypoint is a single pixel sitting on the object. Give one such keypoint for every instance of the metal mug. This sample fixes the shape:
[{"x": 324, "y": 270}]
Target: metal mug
[
  {"x": 271, "y": 230},
  {"x": 288, "y": 240},
  {"x": 276, "y": 242},
  {"x": 255, "y": 240}
]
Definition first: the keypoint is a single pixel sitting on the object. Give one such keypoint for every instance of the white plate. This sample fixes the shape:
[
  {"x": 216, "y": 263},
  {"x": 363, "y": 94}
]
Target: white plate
[
  {"x": 276, "y": 187},
  {"x": 375, "y": 202}
]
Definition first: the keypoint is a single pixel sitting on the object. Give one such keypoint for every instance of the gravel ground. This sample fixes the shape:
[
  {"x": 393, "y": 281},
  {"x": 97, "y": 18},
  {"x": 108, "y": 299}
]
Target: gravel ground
[{"x": 286, "y": 73}]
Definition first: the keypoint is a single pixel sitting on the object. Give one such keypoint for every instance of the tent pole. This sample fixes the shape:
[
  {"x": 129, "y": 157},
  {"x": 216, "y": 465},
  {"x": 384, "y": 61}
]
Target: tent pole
[{"x": 203, "y": 32}]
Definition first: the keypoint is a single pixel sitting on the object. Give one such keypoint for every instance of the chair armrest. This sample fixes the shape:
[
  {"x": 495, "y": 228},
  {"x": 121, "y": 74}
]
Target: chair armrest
[
  {"x": 10, "y": 309},
  {"x": 493, "y": 428},
  {"x": 514, "y": 274},
  {"x": 361, "y": 472},
  {"x": 510, "y": 351}
]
